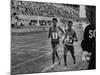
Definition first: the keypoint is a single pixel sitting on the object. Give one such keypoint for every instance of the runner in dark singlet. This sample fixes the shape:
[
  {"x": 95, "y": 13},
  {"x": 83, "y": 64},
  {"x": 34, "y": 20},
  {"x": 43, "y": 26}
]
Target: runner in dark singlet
[{"x": 70, "y": 37}]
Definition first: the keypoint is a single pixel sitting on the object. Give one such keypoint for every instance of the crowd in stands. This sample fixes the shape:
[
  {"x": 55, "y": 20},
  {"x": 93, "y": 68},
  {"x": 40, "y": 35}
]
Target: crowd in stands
[{"x": 42, "y": 9}]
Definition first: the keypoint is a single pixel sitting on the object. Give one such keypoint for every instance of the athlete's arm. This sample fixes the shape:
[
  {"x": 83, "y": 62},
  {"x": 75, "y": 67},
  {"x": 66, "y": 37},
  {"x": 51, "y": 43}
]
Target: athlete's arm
[
  {"x": 76, "y": 39},
  {"x": 61, "y": 30},
  {"x": 64, "y": 38},
  {"x": 75, "y": 36},
  {"x": 49, "y": 32}
]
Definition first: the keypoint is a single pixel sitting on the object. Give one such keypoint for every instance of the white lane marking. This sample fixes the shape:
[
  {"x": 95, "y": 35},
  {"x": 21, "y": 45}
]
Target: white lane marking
[
  {"x": 65, "y": 69},
  {"x": 49, "y": 67},
  {"x": 53, "y": 65},
  {"x": 19, "y": 47},
  {"x": 38, "y": 50},
  {"x": 32, "y": 50},
  {"x": 29, "y": 36},
  {"x": 18, "y": 53},
  {"x": 82, "y": 65},
  {"x": 22, "y": 46},
  {"x": 30, "y": 60}
]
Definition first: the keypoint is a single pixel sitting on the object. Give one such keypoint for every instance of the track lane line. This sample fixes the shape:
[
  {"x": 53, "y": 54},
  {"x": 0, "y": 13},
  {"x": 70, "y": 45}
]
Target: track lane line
[
  {"x": 30, "y": 60},
  {"x": 49, "y": 67}
]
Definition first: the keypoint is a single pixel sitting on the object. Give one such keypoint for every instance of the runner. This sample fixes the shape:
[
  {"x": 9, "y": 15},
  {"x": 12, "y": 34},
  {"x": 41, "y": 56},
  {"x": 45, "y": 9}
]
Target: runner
[
  {"x": 54, "y": 35},
  {"x": 70, "y": 37}
]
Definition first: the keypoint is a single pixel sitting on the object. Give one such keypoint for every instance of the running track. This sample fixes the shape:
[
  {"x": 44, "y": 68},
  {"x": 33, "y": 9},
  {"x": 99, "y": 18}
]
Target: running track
[{"x": 31, "y": 53}]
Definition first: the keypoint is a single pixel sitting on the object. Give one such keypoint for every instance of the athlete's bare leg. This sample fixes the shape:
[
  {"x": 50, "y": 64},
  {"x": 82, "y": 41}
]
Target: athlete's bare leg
[
  {"x": 73, "y": 56},
  {"x": 53, "y": 56},
  {"x": 56, "y": 53},
  {"x": 65, "y": 54}
]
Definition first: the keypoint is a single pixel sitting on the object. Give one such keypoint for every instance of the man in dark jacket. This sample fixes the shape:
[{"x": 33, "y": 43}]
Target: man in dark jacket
[{"x": 89, "y": 42}]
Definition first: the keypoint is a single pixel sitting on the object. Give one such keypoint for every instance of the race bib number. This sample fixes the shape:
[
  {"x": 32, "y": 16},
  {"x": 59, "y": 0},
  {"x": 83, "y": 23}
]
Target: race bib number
[
  {"x": 68, "y": 39},
  {"x": 55, "y": 35}
]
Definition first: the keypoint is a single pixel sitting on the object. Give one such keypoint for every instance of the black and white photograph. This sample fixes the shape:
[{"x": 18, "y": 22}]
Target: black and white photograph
[{"x": 52, "y": 37}]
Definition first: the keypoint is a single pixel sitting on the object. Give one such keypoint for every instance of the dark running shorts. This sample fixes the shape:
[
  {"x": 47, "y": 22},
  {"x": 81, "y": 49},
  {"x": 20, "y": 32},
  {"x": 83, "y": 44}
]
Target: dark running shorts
[
  {"x": 69, "y": 48},
  {"x": 54, "y": 43}
]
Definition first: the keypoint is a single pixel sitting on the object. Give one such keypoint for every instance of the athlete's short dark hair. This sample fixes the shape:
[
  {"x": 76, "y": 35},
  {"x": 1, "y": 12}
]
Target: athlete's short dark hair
[
  {"x": 55, "y": 19},
  {"x": 70, "y": 22}
]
